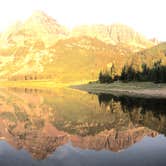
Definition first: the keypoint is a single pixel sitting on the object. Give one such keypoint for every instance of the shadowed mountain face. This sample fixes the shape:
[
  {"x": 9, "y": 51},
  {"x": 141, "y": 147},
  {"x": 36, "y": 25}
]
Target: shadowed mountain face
[{"x": 40, "y": 121}]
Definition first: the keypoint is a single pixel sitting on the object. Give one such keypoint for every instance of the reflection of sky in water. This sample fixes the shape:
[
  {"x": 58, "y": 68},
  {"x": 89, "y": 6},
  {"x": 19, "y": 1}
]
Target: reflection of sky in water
[{"x": 150, "y": 151}]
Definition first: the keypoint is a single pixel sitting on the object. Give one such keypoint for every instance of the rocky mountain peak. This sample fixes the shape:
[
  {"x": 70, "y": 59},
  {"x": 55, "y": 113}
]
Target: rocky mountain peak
[
  {"x": 40, "y": 21},
  {"x": 114, "y": 34},
  {"x": 39, "y": 26}
]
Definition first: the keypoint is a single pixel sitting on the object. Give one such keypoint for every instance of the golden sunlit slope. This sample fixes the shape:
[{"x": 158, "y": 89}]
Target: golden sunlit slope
[
  {"x": 82, "y": 58},
  {"x": 114, "y": 34},
  {"x": 74, "y": 59},
  {"x": 148, "y": 57},
  {"x": 137, "y": 61}
]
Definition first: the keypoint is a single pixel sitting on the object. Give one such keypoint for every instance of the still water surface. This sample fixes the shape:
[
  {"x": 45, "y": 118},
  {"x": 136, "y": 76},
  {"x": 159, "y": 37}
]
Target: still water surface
[{"x": 66, "y": 127}]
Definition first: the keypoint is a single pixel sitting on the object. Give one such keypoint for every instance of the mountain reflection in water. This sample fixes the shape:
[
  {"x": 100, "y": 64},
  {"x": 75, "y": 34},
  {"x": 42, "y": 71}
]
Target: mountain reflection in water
[{"x": 40, "y": 121}]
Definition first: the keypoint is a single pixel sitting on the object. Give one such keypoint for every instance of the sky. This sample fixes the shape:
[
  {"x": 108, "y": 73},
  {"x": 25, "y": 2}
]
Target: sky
[{"x": 145, "y": 16}]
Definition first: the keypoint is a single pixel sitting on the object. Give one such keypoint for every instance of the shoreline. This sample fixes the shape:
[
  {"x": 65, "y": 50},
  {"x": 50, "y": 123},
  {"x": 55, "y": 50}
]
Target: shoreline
[
  {"x": 131, "y": 89},
  {"x": 139, "y": 90},
  {"x": 38, "y": 84}
]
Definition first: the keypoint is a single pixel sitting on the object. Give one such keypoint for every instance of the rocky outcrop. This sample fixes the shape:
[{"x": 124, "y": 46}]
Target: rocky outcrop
[
  {"x": 114, "y": 34},
  {"x": 37, "y": 27}
]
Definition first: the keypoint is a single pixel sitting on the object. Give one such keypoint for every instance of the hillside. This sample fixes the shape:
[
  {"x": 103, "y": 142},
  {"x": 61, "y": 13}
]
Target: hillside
[
  {"x": 146, "y": 65},
  {"x": 68, "y": 60},
  {"x": 149, "y": 56}
]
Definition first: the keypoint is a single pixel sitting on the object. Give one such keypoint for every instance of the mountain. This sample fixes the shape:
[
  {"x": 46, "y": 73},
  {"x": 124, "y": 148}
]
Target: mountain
[
  {"x": 155, "y": 41},
  {"x": 39, "y": 26},
  {"x": 68, "y": 60},
  {"x": 114, "y": 34},
  {"x": 40, "y": 48},
  {"x": 146, "y": 65},
  {"x": 148, "y": 56}
]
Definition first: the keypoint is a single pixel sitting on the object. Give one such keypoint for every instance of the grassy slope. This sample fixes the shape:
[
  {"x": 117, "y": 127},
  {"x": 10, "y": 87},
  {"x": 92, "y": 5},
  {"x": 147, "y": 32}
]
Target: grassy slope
[
  {"x": 149, "y": 56},
  {"x": 82, "y": 58},
  {"x": 70, "y": 60}
]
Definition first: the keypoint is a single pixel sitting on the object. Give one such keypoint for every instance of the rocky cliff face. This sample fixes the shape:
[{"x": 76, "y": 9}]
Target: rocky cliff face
[
  {"x": 37, "y": 27},
  {"x": 40, "y": 26},
  {"x": 114, "y": 34}
]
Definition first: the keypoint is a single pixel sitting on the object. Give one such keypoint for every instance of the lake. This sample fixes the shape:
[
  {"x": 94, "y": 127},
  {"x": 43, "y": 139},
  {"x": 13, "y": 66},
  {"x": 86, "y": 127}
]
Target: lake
[{"x": 67, "y": 127}]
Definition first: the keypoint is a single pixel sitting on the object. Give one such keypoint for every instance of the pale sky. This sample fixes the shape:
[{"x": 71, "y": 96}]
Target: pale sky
[{"x": 145, "y": 16}]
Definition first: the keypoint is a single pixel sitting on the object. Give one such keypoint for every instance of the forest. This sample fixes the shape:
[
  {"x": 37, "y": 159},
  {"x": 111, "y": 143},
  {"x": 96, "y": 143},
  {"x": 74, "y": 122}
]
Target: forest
[{"x": 156, "y": 74}]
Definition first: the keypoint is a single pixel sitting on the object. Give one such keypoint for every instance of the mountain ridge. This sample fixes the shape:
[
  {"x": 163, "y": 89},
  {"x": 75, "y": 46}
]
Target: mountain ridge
[
  {"x": 41, "y": 48},
  {"x": 45, "y": 27},
  {"x": 114, "y": 34}
]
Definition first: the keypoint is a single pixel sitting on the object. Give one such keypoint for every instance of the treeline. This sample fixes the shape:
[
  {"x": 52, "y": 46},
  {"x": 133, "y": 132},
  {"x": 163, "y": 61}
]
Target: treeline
[
  {"x": 157, "y": 74},
  {"x": 31, "y": 77}
]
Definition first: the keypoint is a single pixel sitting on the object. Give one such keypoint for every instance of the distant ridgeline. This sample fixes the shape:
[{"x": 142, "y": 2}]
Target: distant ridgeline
[{"x": 147, "y": 65}]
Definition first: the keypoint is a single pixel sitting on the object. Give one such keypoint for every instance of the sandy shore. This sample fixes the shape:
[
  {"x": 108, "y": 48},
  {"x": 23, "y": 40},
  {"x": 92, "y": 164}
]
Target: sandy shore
[{"x": 143, "y": 90}]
